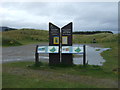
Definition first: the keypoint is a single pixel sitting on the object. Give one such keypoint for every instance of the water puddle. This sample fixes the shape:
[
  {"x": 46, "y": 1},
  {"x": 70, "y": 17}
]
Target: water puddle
[{"x": 93, "y": 56}]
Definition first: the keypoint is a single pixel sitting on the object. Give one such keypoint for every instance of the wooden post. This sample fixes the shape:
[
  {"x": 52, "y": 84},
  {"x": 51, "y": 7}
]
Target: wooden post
[
  {"x": 84, "y": 55},
  {"x": 36, "y": 56}
]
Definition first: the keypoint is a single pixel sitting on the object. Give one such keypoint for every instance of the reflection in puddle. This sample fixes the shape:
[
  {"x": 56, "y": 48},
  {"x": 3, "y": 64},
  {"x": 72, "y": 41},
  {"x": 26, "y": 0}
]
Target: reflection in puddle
[{"x": 93, "y": 56}]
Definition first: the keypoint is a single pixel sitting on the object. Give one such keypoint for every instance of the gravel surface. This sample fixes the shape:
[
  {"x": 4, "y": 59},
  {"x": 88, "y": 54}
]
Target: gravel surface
[{"x": 21, "y": 53}]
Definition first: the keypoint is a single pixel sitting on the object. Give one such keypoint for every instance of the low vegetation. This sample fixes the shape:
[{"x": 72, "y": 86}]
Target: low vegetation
[
  {"x": 27, "y": 36},
  {"x": 100, "y": 38},
  {"x": 91, "y": 32},
  {"x": 27, "y": 75},
  {"x": 23, "y": 36}
]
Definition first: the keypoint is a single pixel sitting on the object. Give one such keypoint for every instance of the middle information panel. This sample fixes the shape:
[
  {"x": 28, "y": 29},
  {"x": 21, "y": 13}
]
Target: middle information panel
[{"x": 66, "y": 37}]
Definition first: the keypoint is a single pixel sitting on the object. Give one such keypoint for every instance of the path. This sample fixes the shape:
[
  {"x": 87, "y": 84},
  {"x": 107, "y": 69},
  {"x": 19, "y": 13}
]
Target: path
[{"x": 20, "y": 53}]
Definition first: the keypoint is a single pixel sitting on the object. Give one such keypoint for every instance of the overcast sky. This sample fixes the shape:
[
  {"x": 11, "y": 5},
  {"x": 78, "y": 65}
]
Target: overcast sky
[{"x": 85, "y": 16}]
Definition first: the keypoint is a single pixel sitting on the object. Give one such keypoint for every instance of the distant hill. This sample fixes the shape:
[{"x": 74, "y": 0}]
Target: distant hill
[
  {"x": 91, "y": 32},
  {"x": 6, "y": 29}
]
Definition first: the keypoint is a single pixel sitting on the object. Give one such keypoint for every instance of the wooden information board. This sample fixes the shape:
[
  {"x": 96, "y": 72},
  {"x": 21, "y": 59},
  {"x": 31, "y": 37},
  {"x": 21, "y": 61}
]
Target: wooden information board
[
  {"x": 66, "y": 36},
  {"x": 54, "y": 40}
]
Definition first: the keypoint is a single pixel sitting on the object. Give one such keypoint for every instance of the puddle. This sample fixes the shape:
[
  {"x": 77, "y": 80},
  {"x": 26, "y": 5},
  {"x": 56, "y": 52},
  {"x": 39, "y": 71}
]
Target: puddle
[{"x": 93, "y": 56}]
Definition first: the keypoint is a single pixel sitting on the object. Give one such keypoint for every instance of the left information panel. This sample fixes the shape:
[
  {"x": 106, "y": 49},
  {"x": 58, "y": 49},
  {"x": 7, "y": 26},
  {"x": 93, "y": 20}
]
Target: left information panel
[{"x": 48, "y": 49}]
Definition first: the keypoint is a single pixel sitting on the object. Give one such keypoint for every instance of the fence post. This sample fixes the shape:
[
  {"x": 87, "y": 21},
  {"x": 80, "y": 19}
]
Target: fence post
[
  {"x": 84, "y": 54},
  {"x": 36, "y": 56}
]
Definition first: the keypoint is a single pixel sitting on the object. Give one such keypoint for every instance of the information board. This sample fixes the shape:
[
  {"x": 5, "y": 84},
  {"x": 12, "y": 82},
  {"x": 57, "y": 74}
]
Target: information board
[
  {"x": 54, "y": 40},
  {"x": 66, "y": 36},
  {"x": 77, "y": 49},
  {"x": 53, "y": 49},
  {"x": 65, "y": 49},
  {"x": 42, "y": 49},
  {"x": 64, "y": 39},
  {"x": 72, "y": 49},
  {"x": 48, "y": 49}
]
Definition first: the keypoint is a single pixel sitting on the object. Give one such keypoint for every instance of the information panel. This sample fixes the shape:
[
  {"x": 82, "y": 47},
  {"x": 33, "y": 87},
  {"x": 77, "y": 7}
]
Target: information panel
[
  {"x": 64, "y": 39},
  {"x": 76, "y": 49},
  {"x": 53, "y": 49},
  {"x": 48, "y": 49},
  {"x": 42, "y": 49},
  {"x": 56, "y": 40},
  {"x": 65, "y": 49},
  {"x": 72, "y": 49}
]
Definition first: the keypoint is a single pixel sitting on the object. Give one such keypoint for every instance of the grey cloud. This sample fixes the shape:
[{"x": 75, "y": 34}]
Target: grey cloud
[{"x": 85, "y": 16}]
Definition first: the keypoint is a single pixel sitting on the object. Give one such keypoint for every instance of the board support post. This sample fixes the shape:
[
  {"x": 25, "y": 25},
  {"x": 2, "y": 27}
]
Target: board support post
[
  {"x": 36, "y": 56},
  {"x": 84, "y": 54}
]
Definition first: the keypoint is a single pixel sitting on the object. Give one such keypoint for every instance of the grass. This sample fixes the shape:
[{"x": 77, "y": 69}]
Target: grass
[
  {"x": 28, "y": 36},
  {"x": 111, "y": 56},
  {"x": 88, "y": 70},
  {"x": 10, "y": 42},
  {"x": 23, "y": 36},
  {"x": 97, "y": 49},
  {"x": 100, "y": 38},
  {"x": 75, "y": 76},
  {"x": 32, "y": 82},
  {"x": 0, "y": 80},
  {"x": 46, "y": 76}
]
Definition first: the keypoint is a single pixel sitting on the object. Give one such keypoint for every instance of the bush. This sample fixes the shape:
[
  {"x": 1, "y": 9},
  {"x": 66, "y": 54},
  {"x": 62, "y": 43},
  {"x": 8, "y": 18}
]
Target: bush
[{"x": 9, "y": 42}]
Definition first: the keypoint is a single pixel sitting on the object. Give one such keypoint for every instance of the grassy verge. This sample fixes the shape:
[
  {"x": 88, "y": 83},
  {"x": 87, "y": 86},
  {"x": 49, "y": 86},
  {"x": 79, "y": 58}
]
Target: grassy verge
[
  {"x": 46, "y": 76},
  {"x": 35, "y": 82},
  {"x": 88, "y": 70},
  {"x": 111, "y": 57}
]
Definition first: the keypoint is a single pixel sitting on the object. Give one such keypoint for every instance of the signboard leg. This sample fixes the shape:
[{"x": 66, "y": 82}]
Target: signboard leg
[
  {"x": 36, "y": 56},
  {"x": 84, "y": 55}
]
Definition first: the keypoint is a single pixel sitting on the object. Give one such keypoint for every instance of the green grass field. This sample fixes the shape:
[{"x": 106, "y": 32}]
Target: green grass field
[
  {"x": 100, "y": 38},
  {"x": 56, "y": 77},
  {"x": 19, "y": 75},
  {"x": 23, "y": 36},
  {"x": 29, "y": 36}
]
